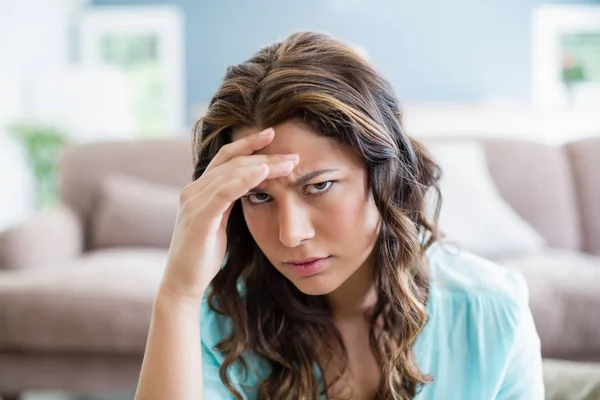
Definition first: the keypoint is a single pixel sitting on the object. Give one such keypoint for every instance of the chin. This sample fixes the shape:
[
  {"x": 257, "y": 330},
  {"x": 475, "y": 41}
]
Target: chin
[{"x": 313, "y": 286}]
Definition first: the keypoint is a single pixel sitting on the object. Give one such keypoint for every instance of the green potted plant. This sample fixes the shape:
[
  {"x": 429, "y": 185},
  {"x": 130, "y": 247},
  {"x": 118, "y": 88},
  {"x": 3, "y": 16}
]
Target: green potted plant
[{"x": 43, "y": 145}]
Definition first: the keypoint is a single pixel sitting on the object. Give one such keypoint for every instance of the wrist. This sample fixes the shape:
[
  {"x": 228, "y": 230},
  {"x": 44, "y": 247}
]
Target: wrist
[
  {"x": 174, "y": 297},
  {"x": 182, "y": 287}
]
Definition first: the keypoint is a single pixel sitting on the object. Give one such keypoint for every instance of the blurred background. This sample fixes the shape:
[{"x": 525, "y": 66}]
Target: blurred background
[
  {"x": 74, "y": 73},
  {"x": 81, "y": 71}
]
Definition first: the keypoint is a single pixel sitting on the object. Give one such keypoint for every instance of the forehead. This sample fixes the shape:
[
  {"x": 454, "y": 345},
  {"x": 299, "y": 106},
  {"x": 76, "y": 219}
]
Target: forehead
[{"x": 299, "y": 138}]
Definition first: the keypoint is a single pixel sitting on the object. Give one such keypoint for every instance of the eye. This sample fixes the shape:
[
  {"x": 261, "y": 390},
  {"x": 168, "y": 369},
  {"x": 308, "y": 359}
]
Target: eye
[
  {"x": 319, "y": 188},
  {"x": 258, "y": 198}
]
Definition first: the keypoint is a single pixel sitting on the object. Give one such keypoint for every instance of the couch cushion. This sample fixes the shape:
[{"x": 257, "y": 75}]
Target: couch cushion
[
  {"x": 103, "y": 303},
  {"x": 571, "y": 380},
  {"x": 131, "y": 212},
  {"x": 565, "y": 301},
  {"x": 472, "y": 205},
  {"x": 535, "y": 179}
]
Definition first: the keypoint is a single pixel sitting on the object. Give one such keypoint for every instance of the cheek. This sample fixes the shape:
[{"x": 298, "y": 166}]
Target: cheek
[
  {"x": 256, "y": 225},
  {"x": 347, "y": 215},
  {"x": 354, "y": 217},
  {"x": 354, "y": 230}
]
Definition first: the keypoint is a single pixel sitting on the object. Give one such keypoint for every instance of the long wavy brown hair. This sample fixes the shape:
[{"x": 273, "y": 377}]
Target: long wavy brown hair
[{"x": 314, "y": 78}]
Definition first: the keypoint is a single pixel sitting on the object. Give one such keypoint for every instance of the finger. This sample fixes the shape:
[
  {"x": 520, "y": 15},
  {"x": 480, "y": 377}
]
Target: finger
[
  {"x": 244, "y": 146},
  {"x": 275, "y": 170},
  {"x": 256, "y": 159},
  {"x": 223, "y": 192},
  {"x": 238, "y": 165},
  {"x": 227, "y": 193},
  {"x": 226, "y": 215}
]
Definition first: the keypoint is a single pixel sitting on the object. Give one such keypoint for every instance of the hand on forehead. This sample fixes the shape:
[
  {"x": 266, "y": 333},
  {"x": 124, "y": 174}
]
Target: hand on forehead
[{"x": 293, "y": 137}]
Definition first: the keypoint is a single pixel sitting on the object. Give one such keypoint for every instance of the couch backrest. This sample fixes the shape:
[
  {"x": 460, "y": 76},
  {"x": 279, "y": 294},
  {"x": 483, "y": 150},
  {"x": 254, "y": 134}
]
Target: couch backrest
[
  {"x": 84, "y": 167},
  {"x": 535, "y": 179}
]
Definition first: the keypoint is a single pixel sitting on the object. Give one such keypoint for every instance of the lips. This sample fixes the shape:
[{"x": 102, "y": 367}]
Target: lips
[
  {"x": 305, "y": 261},
  {"x": 308, "y": 266}
]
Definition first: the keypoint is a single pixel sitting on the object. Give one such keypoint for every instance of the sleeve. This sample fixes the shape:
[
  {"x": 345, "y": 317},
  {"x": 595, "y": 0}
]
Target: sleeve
[
  {"x": 212, "y": 386},
  {"x": 523, "y": 379}
]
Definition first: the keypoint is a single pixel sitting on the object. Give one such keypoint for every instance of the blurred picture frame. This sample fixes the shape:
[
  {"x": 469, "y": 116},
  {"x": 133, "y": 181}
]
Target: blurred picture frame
[
  {"x": 145, "y": 43},
  {"x": 566, "y": 55}
]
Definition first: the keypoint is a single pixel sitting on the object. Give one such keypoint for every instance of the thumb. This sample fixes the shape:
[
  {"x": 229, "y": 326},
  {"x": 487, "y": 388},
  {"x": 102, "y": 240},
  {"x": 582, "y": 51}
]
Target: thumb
[{"x": 226, "y": 215}]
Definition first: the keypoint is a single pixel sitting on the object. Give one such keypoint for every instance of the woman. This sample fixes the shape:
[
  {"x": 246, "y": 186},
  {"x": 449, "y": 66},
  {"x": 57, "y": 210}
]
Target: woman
[{"x": 335, "y": 283}]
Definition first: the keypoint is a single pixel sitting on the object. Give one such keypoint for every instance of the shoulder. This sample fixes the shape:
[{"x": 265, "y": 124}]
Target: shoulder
[
  {"x": 480, "y": 323},
  {"x": 474, "y": 298},
  {"x": 458, "y": 273}
]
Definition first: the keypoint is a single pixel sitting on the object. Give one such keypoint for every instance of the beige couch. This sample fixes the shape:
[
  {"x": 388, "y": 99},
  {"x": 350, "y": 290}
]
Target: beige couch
[{"x": 77, "y": 282}]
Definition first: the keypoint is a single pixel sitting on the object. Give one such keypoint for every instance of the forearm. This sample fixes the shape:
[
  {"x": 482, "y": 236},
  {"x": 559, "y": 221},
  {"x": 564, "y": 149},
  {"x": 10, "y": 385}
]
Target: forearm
[{"x": 172, "y": 366}]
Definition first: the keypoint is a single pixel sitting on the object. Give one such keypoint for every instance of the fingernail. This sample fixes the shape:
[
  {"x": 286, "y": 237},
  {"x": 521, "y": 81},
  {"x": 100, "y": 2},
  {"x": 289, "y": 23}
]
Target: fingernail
[
  {"x": 293, "y": 157},
  {"x": 266, "y": 132}
]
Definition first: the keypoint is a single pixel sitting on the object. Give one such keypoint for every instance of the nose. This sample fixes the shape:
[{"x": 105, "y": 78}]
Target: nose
[{"x": 294, "y": 224}]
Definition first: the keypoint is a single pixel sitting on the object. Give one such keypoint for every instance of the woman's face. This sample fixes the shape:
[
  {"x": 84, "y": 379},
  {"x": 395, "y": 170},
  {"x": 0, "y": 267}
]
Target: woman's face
[{"x": 323, "y": 210}]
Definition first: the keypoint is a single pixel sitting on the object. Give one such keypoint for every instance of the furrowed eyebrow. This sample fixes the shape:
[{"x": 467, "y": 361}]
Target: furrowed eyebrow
[
  {"x": 304, "y": 179},
  {"x": 312, "y": 175}
]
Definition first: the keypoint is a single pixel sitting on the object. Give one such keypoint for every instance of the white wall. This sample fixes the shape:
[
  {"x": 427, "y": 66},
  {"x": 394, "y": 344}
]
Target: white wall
[
  {"x": 553, "y": 126},
  {"x": 33, "y": 40},
  {"x": 17, "y": 188},
  {"x": 34, "y": 33}
]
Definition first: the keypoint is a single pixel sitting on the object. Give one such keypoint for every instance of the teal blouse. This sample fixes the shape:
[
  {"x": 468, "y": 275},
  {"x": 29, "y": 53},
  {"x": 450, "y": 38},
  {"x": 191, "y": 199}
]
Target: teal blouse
[{"x": 479, "y": 343}]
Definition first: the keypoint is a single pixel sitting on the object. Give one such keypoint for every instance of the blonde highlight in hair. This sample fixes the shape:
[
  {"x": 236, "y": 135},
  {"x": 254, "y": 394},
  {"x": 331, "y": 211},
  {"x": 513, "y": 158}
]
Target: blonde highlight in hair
[{"x": 324, "y": 83}]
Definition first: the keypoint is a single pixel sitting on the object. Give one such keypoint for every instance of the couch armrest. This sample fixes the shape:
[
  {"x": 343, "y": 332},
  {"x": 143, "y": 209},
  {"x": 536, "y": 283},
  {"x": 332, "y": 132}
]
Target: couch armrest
[
  {"x": 585, "y": 164},
  {"x": 51, "y": 237}
]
